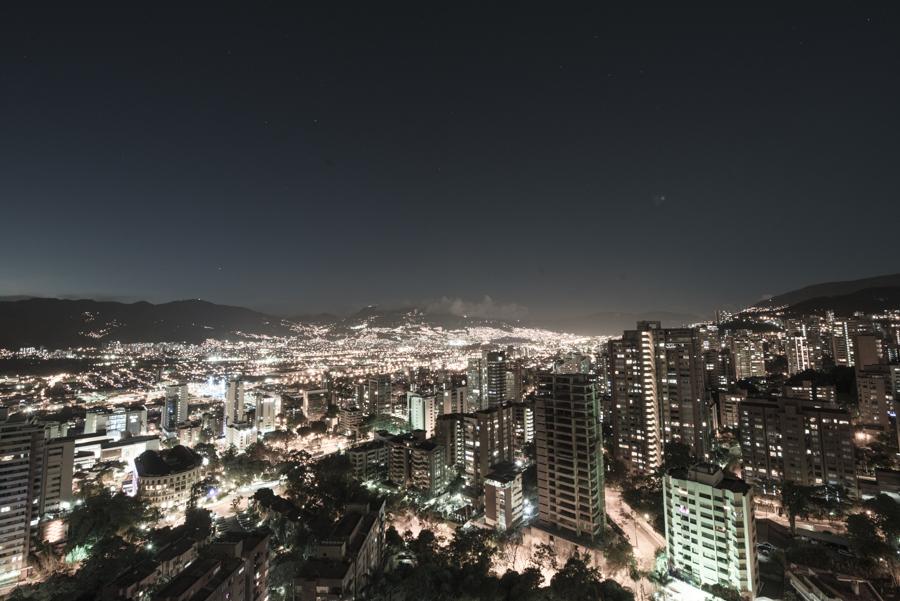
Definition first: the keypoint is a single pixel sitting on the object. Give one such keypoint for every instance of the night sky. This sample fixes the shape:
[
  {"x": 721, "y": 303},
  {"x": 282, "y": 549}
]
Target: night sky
[{"x": 300, "y": 160}]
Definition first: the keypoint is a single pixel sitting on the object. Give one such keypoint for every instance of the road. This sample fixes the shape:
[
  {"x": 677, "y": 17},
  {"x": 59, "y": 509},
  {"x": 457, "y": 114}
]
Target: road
[
  {"x": 643, "y": 538},
  {"x": 222, "y": 506}
]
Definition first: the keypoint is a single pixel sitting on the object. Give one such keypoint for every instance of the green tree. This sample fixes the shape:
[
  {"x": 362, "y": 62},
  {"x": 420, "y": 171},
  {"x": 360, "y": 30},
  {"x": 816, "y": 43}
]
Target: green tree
[
  {"x": 105, "y": 516},
  {"x": 577, "y": 580},
  {"x": 795, "y": 500}
]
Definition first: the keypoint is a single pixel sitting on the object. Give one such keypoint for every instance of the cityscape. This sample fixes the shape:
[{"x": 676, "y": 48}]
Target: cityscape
[{"x": 345, "y": 303}]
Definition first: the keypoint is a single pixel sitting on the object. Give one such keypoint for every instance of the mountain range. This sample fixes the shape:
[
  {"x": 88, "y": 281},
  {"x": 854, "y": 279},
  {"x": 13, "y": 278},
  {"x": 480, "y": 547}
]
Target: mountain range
[{"x": 63, "y": 323}]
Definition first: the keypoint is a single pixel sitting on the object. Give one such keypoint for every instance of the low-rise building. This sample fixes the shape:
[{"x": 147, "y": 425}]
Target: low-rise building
[
  {"x": 369, "y": 460},
  {"x": 503, "y": 498},
  {"x": 346, "y": 559},
  {"x": 166, "y": 478}
]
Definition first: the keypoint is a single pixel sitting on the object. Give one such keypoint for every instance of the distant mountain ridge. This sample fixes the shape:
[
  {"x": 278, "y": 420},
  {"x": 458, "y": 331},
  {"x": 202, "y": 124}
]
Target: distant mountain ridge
[
  {"x": 829, "y": 289},
  {"x": 61, "y": 323},
  {"x": 867, "y": 300}
]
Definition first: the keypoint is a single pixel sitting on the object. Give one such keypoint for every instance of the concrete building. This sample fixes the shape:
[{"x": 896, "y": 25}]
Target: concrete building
[
  {"x": 370, "y": 460},
  {"x": 417, "y": 464},
  {"x": 240, "y": 435},
  {"x": 268, "y": 406},
  {"x": 234, "y": 404},
  {"x": 874, "y": 387},
  {"x": 475, "y": 442},
  {"x": 797, "y": 351},
  {"x": 749, "y": 356},
  {"x": 792, "y": 440},
  {"x": 36, "y": 472},
  {"x": 346, "y": 560},
  {"x": 710, "y": 528},
  {"x": 569, "y": 447},
  {"x": 422, "y": 412},
  {"x": 166, "y": 478},
  {"x": 637, "y": 435},
  {"x": 175, "y": 408},
  {"x": 375, "y": 395},
  {"x": 503, "y": 498}
]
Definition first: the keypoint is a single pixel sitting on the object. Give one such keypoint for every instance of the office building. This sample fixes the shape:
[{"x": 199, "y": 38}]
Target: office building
[
  {"x": 569, "y": 449},
  {"x": 710, "y": 528}
]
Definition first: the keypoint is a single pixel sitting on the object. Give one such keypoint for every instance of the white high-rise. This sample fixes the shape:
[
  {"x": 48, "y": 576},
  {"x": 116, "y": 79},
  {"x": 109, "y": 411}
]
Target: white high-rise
[
  {"x": 422, "y": 413},
  {"x": 710, "y": 528}
]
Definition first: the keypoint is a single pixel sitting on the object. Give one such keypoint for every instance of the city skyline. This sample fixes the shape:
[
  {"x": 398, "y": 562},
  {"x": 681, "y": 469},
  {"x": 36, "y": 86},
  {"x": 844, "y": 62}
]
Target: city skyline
[{"x": 312, "y": 160}]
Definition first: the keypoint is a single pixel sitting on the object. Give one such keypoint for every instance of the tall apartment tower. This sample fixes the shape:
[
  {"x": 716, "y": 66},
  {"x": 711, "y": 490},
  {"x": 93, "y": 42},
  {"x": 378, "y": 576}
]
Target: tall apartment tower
[
  {"x": 494, "y": 383},
  {"x": 234, "y": 404},
  {"x": 749, "y": 357},
  {"x": 637, "y": 436},
  {"x": 175, "y": 409},
  {"x": 474, "y": 372},
  {"x": 569, "y": 449},
  {"x": 710, "y": 528},
  {"x": 798, "y": 358},
  {"x": 476, "y": 442},
  {"x": 375, "y": 395},
  {"x": 795, "y": 440},
  {"x": 682, "y": 394},
  {"x": 422, "y": 412},
  {"x": 37, "y": 481}
]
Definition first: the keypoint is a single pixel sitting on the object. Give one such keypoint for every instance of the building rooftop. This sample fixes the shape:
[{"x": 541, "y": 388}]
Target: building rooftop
[
  {"x": 711, "y": 475},
  {"x": 163, "y": 463}
]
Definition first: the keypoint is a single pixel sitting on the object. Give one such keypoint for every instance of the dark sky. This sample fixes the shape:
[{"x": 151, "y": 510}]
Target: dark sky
[{"x": 565, "y": 160}]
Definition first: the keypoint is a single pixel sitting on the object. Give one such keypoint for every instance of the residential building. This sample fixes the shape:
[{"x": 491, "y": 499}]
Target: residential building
[
  {"x": 569, "y": 449},
  {"x": 370, "y": 460},
  {"x": 234, "y": 404},
  {"x": 710, "y": 528},
  {"x": 797, "y": 350},
  {"x": 346, "y": 560},
  {"x": 503, "y": 498}
]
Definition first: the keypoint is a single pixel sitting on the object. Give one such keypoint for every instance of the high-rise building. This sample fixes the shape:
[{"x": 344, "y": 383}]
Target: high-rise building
[
  {"x": 637, "y": 436},
  {"x": 37, "y": 482},
  {"x": 475, "y": 442},
  {"x": 874, "y": 387},
  {"x": 494, "y": 382},
  {"x": 710, "y": 528},
  {"x": 268, "y": 406},
  {"x": 658, "y": 394},
  {"x": 175, "y": 409},
  {"x": 474, "y": 379},
  {"x": 375, "y": 395},
  {"x": 866, "y": 351},
  {"x": 798, "y": 360},
  {"x": 682, "y": 394},
  {"x": 422, "y": 412},
  {"x": 841, "y": 343},
  {"x": 749, "y": 356},
  {"x": 569, "y": 450},
  {"x": 234, "y": 404},
  {"x": 794, "y": 440}
]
